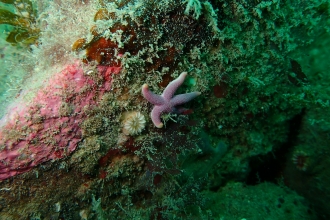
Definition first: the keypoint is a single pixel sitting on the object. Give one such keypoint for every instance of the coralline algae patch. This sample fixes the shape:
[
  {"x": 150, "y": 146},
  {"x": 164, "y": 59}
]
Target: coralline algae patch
[{"x": 49, "y": 127}]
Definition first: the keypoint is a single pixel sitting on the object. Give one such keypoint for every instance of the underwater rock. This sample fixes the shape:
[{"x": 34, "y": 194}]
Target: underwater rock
[{"x": 48, "y": 128}]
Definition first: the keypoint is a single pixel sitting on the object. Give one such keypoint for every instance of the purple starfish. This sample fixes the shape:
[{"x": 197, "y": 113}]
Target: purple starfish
[{"x": 166, "y": 102}]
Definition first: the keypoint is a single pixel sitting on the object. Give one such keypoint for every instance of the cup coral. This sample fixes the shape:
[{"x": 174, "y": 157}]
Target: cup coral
[{"x": 134, "y": 123}]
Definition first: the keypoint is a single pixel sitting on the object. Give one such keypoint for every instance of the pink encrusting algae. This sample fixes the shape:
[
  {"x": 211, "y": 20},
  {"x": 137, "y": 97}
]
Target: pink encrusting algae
[{"x": 49, "y": 127}]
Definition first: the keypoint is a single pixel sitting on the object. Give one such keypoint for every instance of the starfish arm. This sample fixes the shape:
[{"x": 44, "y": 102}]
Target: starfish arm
[
  {"x": 155, "y": 116},
  {"x": 150, "y": 96},
  {"x": 173, "y": 86},
  {"x": 183, "y": 98}
]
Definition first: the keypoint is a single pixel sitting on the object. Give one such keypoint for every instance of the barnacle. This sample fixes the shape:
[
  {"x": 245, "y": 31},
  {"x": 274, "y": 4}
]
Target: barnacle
[{"x": 22, "y": 21}]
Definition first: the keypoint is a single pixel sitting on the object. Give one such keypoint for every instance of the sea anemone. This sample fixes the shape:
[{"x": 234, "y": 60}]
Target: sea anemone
[
  {"x": 133, "y": 123},
  {"x": 301, "y": 160}
]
